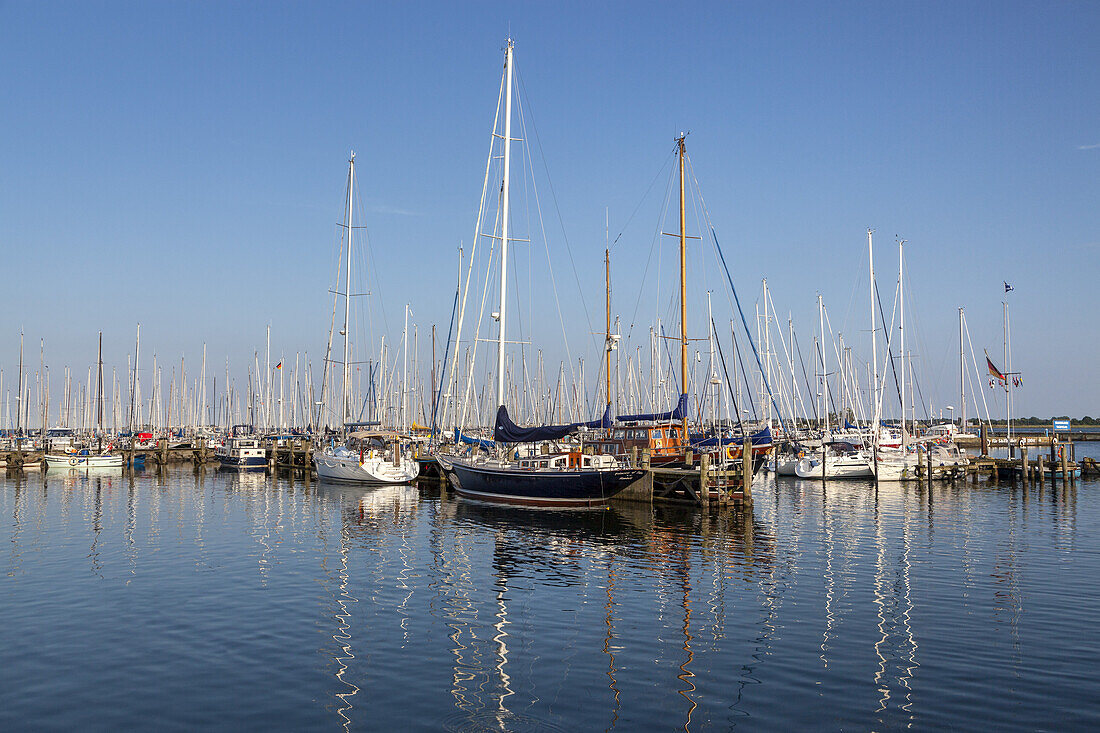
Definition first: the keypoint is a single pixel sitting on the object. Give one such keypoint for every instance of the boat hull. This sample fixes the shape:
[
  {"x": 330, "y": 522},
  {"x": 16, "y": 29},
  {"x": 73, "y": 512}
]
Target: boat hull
[
  {"x": 568, "y": 488},
  {"x": 370, "y": 471},
  {"x": 75, "y": 461},
  {"x": 243, "y": 463},
  {"x": 838, "y": 469}
]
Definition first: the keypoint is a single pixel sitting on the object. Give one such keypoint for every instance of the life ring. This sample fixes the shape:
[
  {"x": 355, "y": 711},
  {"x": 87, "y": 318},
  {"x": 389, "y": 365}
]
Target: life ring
[
  {"x": 72, "y": 461},
  {"x": 730, "y": 453},
  {"x": 801, "y": 455}
]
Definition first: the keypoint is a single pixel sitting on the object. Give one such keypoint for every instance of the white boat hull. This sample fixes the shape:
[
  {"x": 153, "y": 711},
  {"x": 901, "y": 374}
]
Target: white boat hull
[
  {"x": 374, "y": 470},
  {"x": 838, "y": 468},
  {"x": 76, "y": 461}
]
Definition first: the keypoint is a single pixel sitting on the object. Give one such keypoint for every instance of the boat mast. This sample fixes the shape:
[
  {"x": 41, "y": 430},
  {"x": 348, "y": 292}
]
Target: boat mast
[
  {"x": 901, "y": 331},
  {"x": 824, "y": 374},
  {"x": 607, "y": 343},
  {"x": 874, "y": 341},
  {"x": 345, "y": 399},
  {"x": 504, "y": 219},
  {"x": 19, "y": 393},
  {"x": 99, "y": 387},
  {"x": 1008, "y": 395},
  {"x": 683, "y": 292},
  {"x": 962, "y": 376}
]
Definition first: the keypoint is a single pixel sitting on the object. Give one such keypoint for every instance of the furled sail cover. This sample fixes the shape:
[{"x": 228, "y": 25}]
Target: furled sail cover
[
  {"x": 762, "y": 437},
  {"x": 507, "y": 431},
  {"x": 603, "y": 422},
  {"x": 479, "y": 442},
  {"x": 677, "y": 414}
]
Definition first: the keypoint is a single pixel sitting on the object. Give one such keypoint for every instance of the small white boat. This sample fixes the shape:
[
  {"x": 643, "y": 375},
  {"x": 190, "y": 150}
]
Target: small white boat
[
  {"x": 367, "y": 457},
  {"x": 84, "y": 459},
  {"x": 841, "y": 461}
]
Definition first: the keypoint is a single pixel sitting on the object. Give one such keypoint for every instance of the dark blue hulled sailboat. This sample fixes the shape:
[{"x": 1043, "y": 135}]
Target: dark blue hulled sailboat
[{"x": 563, "y": 478}]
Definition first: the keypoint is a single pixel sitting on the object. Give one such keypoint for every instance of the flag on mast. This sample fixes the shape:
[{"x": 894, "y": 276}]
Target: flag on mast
[{"x": 994, "y": 371}]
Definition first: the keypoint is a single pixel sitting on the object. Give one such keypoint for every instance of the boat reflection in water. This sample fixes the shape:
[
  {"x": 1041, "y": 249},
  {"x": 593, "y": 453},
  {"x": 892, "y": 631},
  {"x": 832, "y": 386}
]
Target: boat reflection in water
[{"x": 871, "y": 607}]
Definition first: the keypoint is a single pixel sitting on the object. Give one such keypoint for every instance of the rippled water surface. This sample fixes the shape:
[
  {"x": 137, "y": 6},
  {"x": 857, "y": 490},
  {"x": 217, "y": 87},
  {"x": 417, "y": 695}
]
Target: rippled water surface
[{"x": 246, "y": 601}]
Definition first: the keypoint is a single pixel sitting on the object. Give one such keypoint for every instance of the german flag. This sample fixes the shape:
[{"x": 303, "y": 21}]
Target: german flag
[{"x": 994, "y": 371}]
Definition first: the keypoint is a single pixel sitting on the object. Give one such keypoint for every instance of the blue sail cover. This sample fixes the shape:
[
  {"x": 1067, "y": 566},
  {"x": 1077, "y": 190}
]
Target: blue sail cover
[
  {"x": 480, "y": 443},
  {"x": 849, "y": 426},
  {"x": 677, "y": 414},
  {"x": 603, "y": 422},
  {"x": 507, "y": 431},
  {"x": 763, "y": 437}
]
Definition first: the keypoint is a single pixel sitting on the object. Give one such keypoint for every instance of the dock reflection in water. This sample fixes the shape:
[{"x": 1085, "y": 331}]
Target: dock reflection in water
[{"x": 232, "y": 600}]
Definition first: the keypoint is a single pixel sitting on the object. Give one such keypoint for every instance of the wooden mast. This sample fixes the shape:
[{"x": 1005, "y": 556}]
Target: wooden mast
[{"x": 683, "y": 293}]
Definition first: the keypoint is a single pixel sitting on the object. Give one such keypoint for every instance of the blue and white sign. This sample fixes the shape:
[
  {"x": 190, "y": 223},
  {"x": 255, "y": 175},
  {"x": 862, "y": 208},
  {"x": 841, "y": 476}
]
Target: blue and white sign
[{"x": 1061, "y": 426}]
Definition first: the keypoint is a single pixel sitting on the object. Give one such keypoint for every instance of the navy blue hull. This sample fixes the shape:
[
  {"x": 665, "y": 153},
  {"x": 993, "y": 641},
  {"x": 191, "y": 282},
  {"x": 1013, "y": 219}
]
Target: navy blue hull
[
  {"x": 550, "y": 488},
  {"x": 255, "y": 462}
]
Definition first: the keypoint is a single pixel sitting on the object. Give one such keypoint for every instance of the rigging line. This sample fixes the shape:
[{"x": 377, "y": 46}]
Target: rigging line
[
  {"x": 729, "y": 277},
  {"x": 893, "y": 367},
  {"x": 745, "y": 376},
  {"x": 729, "y": 385},
  {"x": 542, "y": 227},
  {"x": 553, "y": 196},
  {"x": 973, "y": 360},
  {"x": 806, "y": 379},
  {"x": 649, "y": 261},
  {"x": 645, "y": 195},
  {"x": 756, "y": 354}
]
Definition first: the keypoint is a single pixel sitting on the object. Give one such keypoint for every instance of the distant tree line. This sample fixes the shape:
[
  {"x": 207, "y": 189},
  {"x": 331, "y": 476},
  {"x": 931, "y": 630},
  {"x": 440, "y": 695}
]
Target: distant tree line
[{"x": 1085, "y": 421}]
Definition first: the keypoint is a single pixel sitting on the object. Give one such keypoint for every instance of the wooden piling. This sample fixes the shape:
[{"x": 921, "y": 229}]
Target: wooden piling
[
  {"x": 704, "y": 477},
  {"x": 1025, "y": 467},
  {"x": 746, "y": 470},
  {"x": 1065, "y": 468}
]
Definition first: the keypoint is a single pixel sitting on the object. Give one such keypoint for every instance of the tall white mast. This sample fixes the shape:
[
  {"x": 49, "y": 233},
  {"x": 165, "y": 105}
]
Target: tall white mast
[
  {"x": 824, "y": 374},
  {"x": 504, "y": 219},
  {"x": 901, "y": 331},
  {"x": 1007, "y": 368},
  {"x": 874, "y": 341},
  {"x": 962, "y": 376},
  {"x": 405, "y": 373},
  {"x": 345, "y": 399}
]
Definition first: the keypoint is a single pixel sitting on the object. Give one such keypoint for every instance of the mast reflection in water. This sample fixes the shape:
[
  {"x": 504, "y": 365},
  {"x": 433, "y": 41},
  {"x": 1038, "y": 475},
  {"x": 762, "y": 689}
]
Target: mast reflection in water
[{"x": 230, "y": 600}]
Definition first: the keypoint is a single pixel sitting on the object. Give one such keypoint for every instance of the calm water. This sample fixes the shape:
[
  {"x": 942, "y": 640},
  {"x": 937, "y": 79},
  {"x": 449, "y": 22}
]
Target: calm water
[{"x": 247, "y": 602}]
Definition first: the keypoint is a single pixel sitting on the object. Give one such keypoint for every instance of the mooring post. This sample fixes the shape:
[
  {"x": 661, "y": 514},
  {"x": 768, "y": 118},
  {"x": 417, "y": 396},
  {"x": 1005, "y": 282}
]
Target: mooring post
[
  {"x": 645, "y": 458},
  {"x": 1041, "y": 470},
  {"x": 1065, "y": 468},
  {"x": 633, "y": 456},
  {"x": 920, "y": 461},
  {"x": 1025, "y": 469},
  {"x": 984, "y": 439},
  {"x": 704, "y": 471},
  {"x": 746, "y": 470},
  {"x": 1073, "y": 461}
]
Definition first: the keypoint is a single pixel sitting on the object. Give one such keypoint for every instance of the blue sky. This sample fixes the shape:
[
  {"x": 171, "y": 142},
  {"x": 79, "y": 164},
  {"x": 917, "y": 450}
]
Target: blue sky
[{"x": 183, "y": 165}]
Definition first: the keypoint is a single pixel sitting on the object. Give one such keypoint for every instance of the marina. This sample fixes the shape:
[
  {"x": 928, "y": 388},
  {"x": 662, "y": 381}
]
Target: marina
[{"x": 555, "y": 367}]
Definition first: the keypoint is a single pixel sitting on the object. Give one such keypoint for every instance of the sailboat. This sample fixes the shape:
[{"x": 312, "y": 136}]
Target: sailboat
[
  {"x": 565, "y": 477},
  {"x": 86, "y": 458},
  {"x": 365, "y": 456}
]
